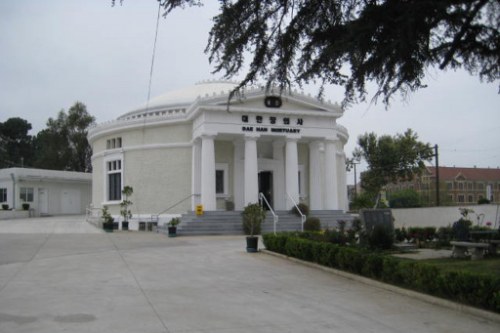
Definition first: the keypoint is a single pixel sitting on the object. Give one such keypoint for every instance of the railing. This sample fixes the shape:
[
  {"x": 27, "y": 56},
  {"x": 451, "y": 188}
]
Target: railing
[
  {"x": 302, "y": 216},
  {"x": 262, "y": 198},
  {"x": 92, "y": 212},
  {"x": 177, "y": 203}
]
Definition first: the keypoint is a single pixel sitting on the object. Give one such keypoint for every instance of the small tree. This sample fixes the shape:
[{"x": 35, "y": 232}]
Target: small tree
[
  {"x": 253, "y": 215},
  {"x": 391, "y": 159},
  {"x": 126, "y": 203}
]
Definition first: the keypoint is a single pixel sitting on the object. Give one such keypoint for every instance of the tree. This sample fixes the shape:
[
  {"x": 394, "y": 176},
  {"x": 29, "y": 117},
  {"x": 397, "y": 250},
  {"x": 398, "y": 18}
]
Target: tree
[
  {"x": 350, "y": 42},
  {"x": 391, "y": 159},
  {"x": 15, "y": 143},
  {"x": 408, "y": 198},
  {"x": 63, "y": 144}
]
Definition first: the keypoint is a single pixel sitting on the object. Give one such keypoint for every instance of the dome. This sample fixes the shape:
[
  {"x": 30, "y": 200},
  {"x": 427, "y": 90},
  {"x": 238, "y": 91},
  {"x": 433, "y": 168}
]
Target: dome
[{"x": 188, "y": 95}]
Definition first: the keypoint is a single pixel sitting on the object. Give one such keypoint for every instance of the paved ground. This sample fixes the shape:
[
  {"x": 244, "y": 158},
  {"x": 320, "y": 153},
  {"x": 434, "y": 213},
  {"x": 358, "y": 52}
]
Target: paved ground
[{"x": 63, "y": 275}]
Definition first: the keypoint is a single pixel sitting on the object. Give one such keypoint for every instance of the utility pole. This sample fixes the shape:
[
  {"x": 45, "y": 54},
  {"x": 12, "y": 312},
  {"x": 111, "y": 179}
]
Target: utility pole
[{"x": 436, "y": 156}]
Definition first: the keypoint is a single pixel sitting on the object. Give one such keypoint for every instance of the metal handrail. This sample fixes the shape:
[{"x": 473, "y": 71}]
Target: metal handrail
[
  {"x": 302, "y": 216},
  {"x": 177, "y": 203},
  {"x": 89, "y": 212},
  {"x": 262, "y": 197}
]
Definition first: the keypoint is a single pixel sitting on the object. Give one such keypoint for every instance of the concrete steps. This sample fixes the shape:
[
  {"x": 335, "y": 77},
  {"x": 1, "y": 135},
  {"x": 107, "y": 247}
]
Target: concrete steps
[{"x": 230, "y": 222}]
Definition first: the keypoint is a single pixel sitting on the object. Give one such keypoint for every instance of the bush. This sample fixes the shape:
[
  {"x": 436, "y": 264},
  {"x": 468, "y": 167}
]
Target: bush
[
  {"x": 253, "y": 216},
  {"x": 405, "y": 199},
  {"x": 26, "y": 206},
  {"x": 5, "y": 207},
  {"x": 422, "y": 233},
  {"x": 312, "y": 224},
  {"x": 303, "y": 208},
  {"x": 483, "y": 201},
  {"x": 476, "y": 290},
  {"x": 363, "y": 200}
]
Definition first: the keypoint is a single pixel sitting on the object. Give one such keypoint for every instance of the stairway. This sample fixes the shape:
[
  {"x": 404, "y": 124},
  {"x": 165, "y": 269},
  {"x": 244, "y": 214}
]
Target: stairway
[{"x": 229, "y": 222}]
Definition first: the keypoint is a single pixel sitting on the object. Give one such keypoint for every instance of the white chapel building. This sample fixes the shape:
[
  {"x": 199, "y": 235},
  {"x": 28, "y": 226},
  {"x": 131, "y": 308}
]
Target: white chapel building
[{"x": 189, "y": 147}]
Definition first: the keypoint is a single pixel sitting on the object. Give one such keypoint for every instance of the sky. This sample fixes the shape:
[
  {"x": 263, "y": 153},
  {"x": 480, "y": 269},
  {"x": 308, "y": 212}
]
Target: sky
[{"x": 54, "y": 53}]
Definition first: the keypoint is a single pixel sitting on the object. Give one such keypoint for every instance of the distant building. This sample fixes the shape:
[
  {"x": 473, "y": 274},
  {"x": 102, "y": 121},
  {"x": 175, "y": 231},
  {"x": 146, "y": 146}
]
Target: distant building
[
  {"x": 457, "y": 186},
  {"x": 48, "y": 192}
]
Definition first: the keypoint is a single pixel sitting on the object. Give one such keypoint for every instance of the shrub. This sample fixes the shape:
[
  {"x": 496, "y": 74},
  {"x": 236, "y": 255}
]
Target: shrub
[
  {"x": 483, "y": 201},
  {"x": 363, "y": 200},
  {"x": 422, "y": 233},
  {"x": 26, "y": 206},
  {"x": 335, "y": 237},
  {"x": 253, "y": 216},
  {"x": 405, "y": 199},
  {"x": 5, "y": 207},
  {"x": 303, "y": 208},
  {"x": 312, "y": 224}
]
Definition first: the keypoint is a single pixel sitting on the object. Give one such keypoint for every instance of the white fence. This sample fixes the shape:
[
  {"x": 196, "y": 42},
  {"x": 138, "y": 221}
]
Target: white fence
[{"x": 444, "y": 216}]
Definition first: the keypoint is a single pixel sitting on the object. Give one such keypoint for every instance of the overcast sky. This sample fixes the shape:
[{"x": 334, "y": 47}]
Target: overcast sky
[{"x": 57, "y": 52}]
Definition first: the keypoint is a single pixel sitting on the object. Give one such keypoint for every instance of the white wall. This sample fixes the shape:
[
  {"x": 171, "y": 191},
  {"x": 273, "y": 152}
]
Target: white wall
[{"x": 442, "y": 216}]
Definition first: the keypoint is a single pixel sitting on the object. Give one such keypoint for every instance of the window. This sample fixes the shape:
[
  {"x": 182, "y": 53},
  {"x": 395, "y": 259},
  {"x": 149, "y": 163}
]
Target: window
[
  {"x": 114, "y": 143},
  {"x": 114, "y": 171},
  {"x": 3, "y": 195},
  {"x": 470, "y": 198},
  {"x": 449, "y": 185},
  {"x": 26, "y": 194},
  {"x": 479, "y": 186},
  {"x": 461, "y": 198},
  {"x": 460, "y": 186},
  {"x": 469, "y": 185},
  {"x": 221, "y": 179}
]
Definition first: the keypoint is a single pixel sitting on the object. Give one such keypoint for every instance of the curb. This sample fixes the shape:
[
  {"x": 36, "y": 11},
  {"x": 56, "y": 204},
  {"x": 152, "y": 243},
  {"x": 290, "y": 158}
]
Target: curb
[{"x": 491, "y": 316}]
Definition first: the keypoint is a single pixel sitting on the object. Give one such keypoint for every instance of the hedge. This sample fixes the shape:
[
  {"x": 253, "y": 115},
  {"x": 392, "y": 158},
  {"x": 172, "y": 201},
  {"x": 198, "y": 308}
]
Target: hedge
[{"x": 476, "y": 290}]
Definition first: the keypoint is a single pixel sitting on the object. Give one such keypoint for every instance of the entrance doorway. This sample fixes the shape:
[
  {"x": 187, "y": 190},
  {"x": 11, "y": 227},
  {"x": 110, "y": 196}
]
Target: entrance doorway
[{"x": 266, "y": 186}]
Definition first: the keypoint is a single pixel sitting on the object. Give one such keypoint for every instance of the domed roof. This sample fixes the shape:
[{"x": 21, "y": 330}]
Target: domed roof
[{"x": 188, "y": 95}]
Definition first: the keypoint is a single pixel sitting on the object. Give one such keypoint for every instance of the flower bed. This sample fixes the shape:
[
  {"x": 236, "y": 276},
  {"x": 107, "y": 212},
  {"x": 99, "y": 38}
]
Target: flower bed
[{"x": 473, "y": 289}]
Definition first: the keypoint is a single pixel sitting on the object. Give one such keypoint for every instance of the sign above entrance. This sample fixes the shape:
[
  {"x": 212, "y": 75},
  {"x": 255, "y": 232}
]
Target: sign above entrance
[
  {"x": 260, "y": 121},
  {"x": 273, "y": 120}
]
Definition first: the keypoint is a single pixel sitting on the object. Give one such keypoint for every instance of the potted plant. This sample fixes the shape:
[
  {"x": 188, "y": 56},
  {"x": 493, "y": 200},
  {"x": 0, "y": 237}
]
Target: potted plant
[
  {"x": 172, "y": 226},
  {"x": 5, "y": 206},
  {"x": 107, "y": 223},
  {"x": 124, "y": 206},
  {"x": 253, "y": 216},
  {"x": 26, "y": 206}
]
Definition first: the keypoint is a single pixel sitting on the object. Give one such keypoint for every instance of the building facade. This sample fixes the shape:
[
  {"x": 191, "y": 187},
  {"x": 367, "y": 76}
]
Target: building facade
[
  {"x": 48, "y": 192},
  {"x": 457, "y": 186},
  {"x": 190, "y": 147}
]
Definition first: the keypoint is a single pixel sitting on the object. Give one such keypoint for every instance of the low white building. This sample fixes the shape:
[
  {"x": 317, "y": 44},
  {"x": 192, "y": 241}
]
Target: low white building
[
  {"x": 189, "y": 147},
  {"x": 48, "y": 192}
]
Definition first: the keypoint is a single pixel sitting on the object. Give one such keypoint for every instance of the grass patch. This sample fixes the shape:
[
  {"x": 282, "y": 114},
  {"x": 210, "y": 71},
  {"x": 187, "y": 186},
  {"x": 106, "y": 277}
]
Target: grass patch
[{"x": 486, "y": 266}]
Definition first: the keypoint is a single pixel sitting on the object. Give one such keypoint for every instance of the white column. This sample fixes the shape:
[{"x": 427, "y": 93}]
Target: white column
[
  {"x": 342, "y": 182},
  {"x": 208, "y": 172},
  {"x": 291, "y": 171},
  {"x": 280, "y": 200},
  {"x": 251, "y": 170},
  {"x": 331, "y": 201},
  {"x": 196, "y": 173},
  {"x": 315, "y": 199},
  {"x": 238, "y": 174}
]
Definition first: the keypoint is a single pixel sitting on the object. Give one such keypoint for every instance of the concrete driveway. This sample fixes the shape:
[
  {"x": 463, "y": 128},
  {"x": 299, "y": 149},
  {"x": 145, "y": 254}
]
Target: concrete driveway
[{"x": 57, "y": 276}]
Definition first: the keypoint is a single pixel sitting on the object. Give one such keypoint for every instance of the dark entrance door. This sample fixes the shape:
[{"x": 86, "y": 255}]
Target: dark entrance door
[{"x": 266, "y": 186}]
